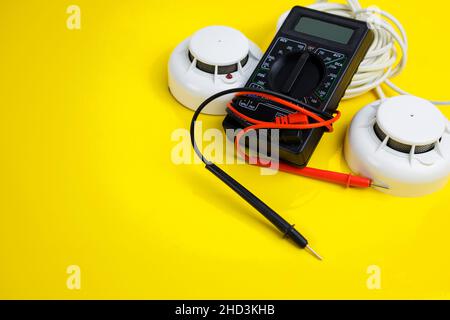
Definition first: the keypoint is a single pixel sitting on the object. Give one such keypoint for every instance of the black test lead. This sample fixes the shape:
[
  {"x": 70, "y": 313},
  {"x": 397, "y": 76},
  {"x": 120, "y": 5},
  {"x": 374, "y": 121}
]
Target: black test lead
[{"x": 285, "y": 227}]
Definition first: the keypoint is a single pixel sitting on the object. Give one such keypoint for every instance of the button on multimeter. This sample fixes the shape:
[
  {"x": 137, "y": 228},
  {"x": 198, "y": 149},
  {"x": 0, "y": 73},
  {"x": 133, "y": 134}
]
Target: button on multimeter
[{"x": 312, "y": 59}]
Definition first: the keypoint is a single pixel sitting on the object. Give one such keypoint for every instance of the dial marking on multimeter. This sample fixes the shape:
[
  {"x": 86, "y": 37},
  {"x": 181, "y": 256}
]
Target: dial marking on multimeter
[
  {"x": 329, "y": 56},
  {"x": 334, "y": 62},
  {"x": 284, "y": 44}
]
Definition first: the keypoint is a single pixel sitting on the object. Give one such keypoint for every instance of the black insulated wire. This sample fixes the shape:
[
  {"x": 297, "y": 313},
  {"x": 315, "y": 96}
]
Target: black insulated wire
[{"x": 279, "y": 222}]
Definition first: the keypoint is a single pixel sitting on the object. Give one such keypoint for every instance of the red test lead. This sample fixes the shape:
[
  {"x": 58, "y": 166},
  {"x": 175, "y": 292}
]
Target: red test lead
[
  {"x": 299, "y": 121},
  {"x": 345, "y": 179}
]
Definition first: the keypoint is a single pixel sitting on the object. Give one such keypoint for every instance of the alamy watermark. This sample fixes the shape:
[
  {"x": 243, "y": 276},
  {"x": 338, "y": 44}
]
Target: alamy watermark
[
  {"x": 73, "y": 281},
  {"x": 217, "y": 147},
  {"x": 73, "y": 21},
  {"x": 374, "y": 280}
]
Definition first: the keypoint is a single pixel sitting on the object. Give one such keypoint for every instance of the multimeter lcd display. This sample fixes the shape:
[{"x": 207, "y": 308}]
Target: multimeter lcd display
[{"x": 324, "y": 30}]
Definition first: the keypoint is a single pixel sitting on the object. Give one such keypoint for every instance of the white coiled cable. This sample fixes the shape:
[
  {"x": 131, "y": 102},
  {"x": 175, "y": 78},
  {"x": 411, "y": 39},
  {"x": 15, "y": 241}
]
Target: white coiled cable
[{"x": 383, "y": 60}]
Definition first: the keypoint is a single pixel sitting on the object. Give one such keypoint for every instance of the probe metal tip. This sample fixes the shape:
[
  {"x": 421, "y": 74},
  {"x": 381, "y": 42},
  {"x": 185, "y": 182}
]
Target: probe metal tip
[
  {"x": 378, "y": 186},
  {"x": 313, "y": 252}
]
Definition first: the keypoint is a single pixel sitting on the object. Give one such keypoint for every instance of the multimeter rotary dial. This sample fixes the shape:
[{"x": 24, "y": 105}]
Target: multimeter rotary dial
[{"x": 297, "y": 74}]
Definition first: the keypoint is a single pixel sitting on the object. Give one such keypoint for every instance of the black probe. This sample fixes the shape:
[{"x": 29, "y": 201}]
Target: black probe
[{"x": 285, "y": 227}]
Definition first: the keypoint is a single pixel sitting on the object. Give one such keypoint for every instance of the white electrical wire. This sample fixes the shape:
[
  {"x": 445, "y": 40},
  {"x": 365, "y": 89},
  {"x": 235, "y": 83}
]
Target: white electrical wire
[{"x": 383, "y": 60}]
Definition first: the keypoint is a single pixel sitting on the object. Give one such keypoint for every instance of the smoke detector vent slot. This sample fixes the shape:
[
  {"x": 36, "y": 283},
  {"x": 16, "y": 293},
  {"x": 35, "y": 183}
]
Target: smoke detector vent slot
[
  {"x": 209, "y": 68},
  {"x": 401, "y": 147}
]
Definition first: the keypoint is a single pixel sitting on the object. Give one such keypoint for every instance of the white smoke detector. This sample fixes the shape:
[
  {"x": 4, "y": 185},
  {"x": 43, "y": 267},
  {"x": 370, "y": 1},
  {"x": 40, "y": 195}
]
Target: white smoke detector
[
  {"x": 214, "y": 59},
  {"x": 402, "y": 143}
]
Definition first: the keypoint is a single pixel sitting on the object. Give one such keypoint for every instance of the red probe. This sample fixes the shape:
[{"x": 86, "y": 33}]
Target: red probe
[{"x": 298, "y": 121}]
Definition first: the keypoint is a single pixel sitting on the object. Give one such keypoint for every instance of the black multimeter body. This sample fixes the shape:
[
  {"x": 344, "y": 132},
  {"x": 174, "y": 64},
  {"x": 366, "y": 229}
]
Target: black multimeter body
[{"x": 312, "y": 59}]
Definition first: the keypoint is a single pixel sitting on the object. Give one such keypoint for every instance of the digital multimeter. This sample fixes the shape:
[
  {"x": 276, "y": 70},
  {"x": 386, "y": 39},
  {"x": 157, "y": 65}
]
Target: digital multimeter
[{"x": 312, "y": 59}]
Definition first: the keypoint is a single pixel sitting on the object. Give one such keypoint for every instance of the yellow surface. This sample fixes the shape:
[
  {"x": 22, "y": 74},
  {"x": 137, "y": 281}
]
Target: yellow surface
[{"x": 86, "y": 176}]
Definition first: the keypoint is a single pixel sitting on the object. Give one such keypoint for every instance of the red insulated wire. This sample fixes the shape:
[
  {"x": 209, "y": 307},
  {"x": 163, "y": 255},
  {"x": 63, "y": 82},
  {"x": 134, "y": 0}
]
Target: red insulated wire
[{"x": 300, "y": 123}]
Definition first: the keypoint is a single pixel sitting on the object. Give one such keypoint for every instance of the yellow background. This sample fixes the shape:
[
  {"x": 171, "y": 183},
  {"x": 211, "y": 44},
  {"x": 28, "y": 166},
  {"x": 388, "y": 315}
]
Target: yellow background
[{"x": 86, "y": 176}]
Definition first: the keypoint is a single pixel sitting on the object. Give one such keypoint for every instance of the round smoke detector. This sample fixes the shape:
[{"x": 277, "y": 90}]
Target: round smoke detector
[
  {"x": 402, "y": 143},
  {"x": 214, "y": 59}
]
